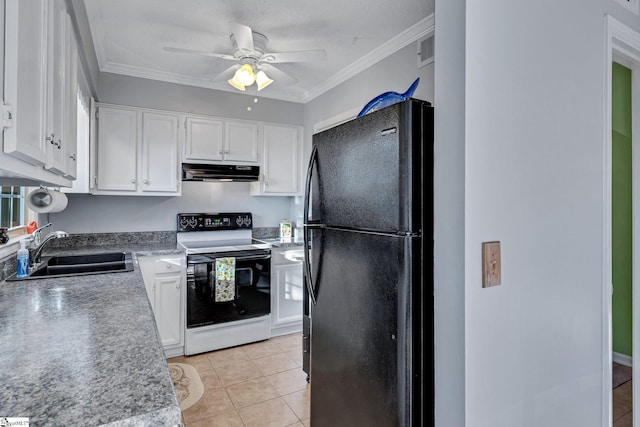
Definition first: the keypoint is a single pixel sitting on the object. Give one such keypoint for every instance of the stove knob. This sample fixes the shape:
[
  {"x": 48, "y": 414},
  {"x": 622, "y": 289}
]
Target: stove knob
[
  {"x": 239, "y": 221},
  {"x": 193, "y": 222},
  {"x": 183, "y": 223},
  {"x": 247, "y": 221}
]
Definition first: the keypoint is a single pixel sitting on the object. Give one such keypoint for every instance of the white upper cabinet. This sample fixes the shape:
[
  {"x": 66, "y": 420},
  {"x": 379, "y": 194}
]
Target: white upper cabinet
[
  {"x": 117, "y": 149},
  {"x": 26, "y": 79},
  {"x": 159, "y": 152},
  {"x": 218, "y": 140},
  {"x": 137, "y": 152},
  {"x": 61, "y": 103},
  {"x": 241, "y": 142},
  {"x": 281, "y": 161},
  {"x": 204, "y": 139},
  {"x": 39, "y": 138}
]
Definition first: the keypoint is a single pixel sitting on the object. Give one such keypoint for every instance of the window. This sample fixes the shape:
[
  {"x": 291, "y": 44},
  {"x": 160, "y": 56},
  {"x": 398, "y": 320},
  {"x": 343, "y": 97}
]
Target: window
[{"x": 13, "y": 212}]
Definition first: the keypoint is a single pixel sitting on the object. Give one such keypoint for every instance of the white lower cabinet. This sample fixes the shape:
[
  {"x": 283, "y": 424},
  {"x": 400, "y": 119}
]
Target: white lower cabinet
[
  {"x": 286, "y": 294},
  {"x": 164, "y": 278}
]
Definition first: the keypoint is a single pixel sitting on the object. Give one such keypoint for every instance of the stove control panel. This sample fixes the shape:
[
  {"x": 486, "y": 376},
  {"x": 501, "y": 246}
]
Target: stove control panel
[{"x": 214, "y": 221}]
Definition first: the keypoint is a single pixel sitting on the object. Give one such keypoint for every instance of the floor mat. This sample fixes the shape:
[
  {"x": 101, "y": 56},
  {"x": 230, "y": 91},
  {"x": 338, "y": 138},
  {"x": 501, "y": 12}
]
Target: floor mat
[{"x": 187, "y": 384}]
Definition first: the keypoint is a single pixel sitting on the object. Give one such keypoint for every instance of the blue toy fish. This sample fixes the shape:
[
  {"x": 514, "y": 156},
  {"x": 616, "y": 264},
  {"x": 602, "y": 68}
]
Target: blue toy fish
[{"x": 388, "y": 98}]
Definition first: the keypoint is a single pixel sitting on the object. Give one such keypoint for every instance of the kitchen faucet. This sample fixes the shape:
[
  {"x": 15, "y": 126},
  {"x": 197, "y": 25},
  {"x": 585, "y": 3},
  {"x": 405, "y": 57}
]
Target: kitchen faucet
[
  {"x": 36, "y": 248},
  {"x": 36, "y": 234}
]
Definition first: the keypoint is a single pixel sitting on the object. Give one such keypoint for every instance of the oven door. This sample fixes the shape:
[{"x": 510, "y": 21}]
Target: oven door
[{"x": 252, "y": 284}]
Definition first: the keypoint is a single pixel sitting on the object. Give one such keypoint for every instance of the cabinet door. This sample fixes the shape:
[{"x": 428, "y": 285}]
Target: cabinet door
[
  {"x": 288, "y": 293},
  {"x": 203, "y": 139},
  {"x": 116, "y": 149},
  {"x": 241, "y": 142},
  {"x": 167, "y": 309},
  {"x": 71, "y": 105},
  {"x": 159, "y": 152},
  {"x": 281, "y": 160},
  {"x": 56, "y": 83},
  {"x": 25, "y": 79}
]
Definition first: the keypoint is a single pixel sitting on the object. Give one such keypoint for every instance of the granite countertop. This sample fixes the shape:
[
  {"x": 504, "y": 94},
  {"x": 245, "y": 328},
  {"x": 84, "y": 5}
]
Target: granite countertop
[
  {"x": 139, "y": 249},
  {"x": 283, "y": 243},
  {"x": 84, "y": 350}
]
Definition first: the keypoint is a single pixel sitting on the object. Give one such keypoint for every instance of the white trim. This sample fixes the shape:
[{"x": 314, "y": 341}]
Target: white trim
[
  {"x": 336, "y": 120},
  {"x": 421, "y": 29},
  {"x": 622, "y": 45},
  {"x": 622, "y": 359}
]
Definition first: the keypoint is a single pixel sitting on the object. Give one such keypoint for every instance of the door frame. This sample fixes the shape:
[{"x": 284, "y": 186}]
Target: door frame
[{"x": 623, "y": 46}]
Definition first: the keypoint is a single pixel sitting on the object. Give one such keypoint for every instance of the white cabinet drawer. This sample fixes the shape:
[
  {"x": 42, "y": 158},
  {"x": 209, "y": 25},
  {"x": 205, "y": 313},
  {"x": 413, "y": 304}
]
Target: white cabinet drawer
[{"x": 168, "y": 265}]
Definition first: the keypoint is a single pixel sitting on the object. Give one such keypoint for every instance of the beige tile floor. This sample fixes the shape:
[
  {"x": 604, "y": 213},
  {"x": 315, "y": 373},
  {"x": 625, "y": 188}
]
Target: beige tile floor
[{"x": 258, "y": 384}]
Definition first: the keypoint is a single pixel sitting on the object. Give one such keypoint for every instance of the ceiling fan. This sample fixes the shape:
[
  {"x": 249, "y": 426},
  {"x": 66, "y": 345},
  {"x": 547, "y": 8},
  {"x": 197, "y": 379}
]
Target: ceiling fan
[{"x": 249, "y": 50}]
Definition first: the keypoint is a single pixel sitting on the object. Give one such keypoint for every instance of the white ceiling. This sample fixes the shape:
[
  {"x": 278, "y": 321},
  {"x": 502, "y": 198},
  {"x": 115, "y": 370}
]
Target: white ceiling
[{"x": 130, "y": 35}]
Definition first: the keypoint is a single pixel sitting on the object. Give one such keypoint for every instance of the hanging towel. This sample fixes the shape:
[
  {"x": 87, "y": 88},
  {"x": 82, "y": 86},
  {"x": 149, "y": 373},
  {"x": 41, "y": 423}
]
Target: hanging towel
[{"x": 225, "y": 279}]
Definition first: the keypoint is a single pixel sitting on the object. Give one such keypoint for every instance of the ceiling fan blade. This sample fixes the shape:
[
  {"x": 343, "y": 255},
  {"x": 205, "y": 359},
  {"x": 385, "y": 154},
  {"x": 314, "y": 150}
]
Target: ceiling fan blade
[
  {"x": 200, "y": 52},
  {"x": 303, "y": 56},
  {"x": 243, "y": 37},
  {"x": 278, "y": 75},
  {"x": 226, "y": 74}
]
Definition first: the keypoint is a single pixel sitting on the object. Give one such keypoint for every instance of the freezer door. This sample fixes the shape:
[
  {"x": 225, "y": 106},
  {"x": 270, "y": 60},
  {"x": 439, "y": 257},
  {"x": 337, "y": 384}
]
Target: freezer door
[
  {"x": 363, "y": 352},
  {"x": 368, "y": 173}
]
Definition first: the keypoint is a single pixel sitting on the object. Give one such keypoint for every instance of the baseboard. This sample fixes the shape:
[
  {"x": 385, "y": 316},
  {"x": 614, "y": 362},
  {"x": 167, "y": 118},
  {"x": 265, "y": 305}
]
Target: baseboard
[{"x": 622, "y": 359}]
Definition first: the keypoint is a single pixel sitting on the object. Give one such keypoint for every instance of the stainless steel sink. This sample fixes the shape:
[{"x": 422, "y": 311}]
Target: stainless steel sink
[{"x": 78, "y": 265}]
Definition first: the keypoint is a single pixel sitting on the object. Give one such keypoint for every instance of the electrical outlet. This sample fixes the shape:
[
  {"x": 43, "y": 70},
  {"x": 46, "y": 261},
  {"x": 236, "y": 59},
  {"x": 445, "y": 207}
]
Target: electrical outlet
[
  {"x": 631, "y": 5},
  {"x": 491, "y": 266}
]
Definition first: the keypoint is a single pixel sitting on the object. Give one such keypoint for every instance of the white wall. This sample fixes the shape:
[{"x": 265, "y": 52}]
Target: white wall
[
  {"x": 449, "y": 157},
  {"x": 534, "y": 157},
  {"x": 394, "y": 73},
  {"x": 103, "y": 214},
  {"x": 108, "y": 214}
]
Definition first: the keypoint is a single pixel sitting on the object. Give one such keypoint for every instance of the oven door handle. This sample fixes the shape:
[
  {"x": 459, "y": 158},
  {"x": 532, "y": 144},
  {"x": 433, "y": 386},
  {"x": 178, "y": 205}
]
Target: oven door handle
[{"x": 251, "y": 257}]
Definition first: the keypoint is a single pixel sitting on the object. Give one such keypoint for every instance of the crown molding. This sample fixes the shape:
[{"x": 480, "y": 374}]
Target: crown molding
[
  {"x": 410, "y": 35},
  {"x": 181, "y": 79}
]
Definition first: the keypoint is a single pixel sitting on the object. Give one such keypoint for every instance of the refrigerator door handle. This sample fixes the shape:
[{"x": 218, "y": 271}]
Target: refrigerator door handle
[
  {"x": 307, "y": 266},
  {"x": 307, "y": 187},
  {"x": 307, "y": 196}
]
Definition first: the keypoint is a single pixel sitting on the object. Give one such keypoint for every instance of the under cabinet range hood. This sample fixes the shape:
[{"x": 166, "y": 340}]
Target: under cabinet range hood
[{"x": 219, "y": 173}]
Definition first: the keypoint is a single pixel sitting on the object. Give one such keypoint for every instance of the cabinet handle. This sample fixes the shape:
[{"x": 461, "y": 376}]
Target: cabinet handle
[
  {"x": 168, "y": 265},
  {"x": 226, "y": 151},
  {"x": 220, "y": 151},
  {"x": 73, "y": 157},
  {"x": 52, "y": 140},
  {"x": 133, "y": 181},
  {"x": 146, "y": 181},
  {"x": 177, "y": 286}
]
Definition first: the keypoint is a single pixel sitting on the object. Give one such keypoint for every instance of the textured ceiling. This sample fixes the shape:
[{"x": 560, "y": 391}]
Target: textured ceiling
[{"x": 130, "y": 35}]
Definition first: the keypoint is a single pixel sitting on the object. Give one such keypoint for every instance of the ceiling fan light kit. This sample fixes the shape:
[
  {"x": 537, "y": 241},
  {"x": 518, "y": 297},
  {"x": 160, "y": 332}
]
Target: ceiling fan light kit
[
  {"x": 249, "y": 48},
  {"x": 246, "y": 76}
]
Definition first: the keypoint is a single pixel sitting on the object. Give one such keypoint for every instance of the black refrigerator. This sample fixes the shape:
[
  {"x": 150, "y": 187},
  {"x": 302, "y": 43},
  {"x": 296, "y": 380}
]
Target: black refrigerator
[{"x": 368, "y": 237}]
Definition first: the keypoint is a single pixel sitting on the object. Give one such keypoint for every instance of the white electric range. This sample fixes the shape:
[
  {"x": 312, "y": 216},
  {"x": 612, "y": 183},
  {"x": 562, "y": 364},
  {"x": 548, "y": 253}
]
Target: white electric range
[{"x": 236, "y": 310}]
